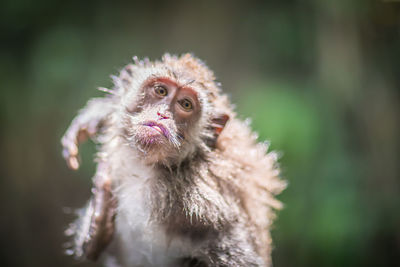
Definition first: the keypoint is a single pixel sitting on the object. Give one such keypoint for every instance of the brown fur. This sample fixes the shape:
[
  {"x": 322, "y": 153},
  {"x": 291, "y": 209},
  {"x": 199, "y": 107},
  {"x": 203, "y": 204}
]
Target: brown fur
[{"x": 219, "y": 194}]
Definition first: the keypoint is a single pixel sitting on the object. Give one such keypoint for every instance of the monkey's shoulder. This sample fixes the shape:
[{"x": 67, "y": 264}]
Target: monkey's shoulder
[{"x": 245, "y": 162}]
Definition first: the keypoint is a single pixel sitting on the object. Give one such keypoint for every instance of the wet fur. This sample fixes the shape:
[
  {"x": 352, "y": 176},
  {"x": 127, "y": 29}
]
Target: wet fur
[{"x": 192, "y": 203}]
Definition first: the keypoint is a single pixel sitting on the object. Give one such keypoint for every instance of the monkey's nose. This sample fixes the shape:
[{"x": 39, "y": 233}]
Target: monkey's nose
[{"x": 162, "y": 116}]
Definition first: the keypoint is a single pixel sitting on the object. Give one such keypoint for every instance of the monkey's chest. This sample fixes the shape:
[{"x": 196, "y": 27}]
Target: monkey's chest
[{"x": 140, "y": 240}]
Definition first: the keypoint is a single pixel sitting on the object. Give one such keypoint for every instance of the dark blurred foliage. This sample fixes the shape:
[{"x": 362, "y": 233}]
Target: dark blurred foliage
[{"x": 319, "y": 78}]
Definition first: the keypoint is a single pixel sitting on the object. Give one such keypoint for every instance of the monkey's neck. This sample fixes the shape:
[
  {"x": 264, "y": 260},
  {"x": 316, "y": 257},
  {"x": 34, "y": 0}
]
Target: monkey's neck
[
  {"x": 188, "y": 196},
  {"x": 187, "y": 165}
]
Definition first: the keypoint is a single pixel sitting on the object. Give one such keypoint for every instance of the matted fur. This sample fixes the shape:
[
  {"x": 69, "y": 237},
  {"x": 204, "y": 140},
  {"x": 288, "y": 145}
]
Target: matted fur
[{"x": 212, "y": 204}]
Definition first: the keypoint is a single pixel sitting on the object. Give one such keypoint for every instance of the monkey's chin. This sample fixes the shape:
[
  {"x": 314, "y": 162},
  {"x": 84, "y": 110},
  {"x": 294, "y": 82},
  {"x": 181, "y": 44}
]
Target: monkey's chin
[
  {"x": 155, "y": 144},
  {"x": 150, "y": 137},
  {"x": 152, "y": 146},
  {"x": 153, "y": 151},
  {"x": 148, "y": 143}
]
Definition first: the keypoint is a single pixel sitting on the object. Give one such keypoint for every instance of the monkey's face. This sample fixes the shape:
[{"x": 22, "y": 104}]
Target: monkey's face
[{"x": 163, "y": 123}]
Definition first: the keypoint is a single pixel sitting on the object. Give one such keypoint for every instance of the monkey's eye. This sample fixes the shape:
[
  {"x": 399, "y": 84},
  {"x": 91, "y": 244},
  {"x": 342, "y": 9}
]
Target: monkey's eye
[
  {"x": 186, "y": 104},
  {"x": 161, "y": 90}
]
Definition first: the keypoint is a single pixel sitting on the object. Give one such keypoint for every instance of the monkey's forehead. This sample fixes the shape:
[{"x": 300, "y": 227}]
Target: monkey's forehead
[
  {"x": 189, "y": 64},
  {"x": 185, "y": 69}
]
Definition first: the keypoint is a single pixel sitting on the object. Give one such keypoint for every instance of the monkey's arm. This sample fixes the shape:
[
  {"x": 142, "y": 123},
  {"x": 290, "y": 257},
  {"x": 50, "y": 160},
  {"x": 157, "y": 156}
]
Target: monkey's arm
[
  {"x": 101, "y": 226},
  {"x": 94, "y": 228},
  {"x": 84, "y": 126}
]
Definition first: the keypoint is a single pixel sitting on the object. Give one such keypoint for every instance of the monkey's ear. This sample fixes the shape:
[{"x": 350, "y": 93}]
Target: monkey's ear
[{"x": 217, "y": 125}]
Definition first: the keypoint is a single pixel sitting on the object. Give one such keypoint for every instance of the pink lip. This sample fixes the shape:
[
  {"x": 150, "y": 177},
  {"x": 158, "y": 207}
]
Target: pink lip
[{"x": 158, "y": 127}]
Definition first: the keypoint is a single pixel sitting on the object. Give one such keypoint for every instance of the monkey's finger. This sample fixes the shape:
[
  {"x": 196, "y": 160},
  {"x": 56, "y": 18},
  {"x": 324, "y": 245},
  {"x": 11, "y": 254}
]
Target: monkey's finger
[
  {"x": 70, "y": 151},
  {"x": 73, "y": 149},
  {"x": 72, "y": 160},
  {"x": 73, "y": 163},
  {"x": 70, "y": 144}
]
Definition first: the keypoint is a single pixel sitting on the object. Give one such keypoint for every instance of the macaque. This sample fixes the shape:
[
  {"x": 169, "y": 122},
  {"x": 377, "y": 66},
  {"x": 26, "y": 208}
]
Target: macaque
[{"x": 180, "y": 180}]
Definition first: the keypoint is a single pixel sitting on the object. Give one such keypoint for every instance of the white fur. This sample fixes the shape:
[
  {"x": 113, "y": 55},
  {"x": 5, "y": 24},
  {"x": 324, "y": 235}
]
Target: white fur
[{"x": 141, "y": 242}]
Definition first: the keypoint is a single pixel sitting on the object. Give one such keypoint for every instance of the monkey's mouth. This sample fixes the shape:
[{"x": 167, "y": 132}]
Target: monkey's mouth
[{"x": 157, "y": 127}]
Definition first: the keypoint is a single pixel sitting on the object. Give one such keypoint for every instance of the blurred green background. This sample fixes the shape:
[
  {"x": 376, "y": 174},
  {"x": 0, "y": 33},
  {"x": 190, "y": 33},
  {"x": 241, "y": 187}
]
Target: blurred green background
[{"x": 319, "y": 78}]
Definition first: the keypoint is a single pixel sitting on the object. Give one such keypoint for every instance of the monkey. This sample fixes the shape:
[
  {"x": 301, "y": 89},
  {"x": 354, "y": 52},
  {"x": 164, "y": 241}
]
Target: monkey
[{"x": 180, "y": 179}]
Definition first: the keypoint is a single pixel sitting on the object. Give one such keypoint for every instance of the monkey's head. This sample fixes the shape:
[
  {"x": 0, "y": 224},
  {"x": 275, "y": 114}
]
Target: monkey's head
[{"x": 170, "y": 109}]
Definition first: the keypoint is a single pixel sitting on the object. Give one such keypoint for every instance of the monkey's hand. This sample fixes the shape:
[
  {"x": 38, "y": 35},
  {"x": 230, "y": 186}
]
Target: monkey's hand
[{"x": 84, "y": 126}]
